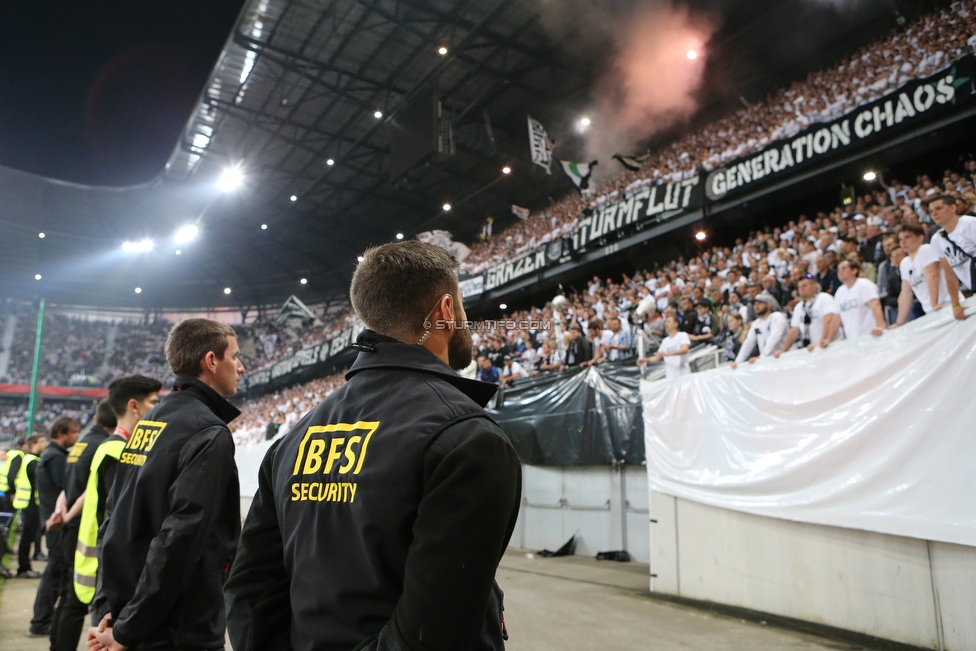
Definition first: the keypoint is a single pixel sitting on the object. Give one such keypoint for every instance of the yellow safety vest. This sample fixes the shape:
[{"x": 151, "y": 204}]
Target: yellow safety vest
[
  {"x": 5, "y": 469},
  {"x": 86, "y": 552},
  {"x": 24, "y": 489}
]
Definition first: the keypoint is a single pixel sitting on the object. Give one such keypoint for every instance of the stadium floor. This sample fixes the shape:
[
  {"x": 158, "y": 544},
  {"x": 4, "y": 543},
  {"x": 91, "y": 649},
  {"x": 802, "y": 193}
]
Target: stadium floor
[{"x": 573, "y": 603}]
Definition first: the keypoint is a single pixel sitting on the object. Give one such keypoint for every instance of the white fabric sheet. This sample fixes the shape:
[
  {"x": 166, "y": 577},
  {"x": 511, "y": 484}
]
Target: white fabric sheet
[{"x": 876, "y": 434}]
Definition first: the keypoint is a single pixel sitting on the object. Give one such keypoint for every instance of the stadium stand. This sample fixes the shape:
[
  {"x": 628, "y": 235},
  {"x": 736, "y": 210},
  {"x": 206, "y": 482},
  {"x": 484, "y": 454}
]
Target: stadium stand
[
  {"x": 876, "y": 69},
  {"x": 729, "y": 276}
]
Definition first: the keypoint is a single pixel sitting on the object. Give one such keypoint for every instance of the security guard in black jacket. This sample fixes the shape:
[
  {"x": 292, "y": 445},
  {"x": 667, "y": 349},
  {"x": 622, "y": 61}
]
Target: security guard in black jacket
[
  {"x": 173, "y": 515},
  {"x": 380, "y": 518}
]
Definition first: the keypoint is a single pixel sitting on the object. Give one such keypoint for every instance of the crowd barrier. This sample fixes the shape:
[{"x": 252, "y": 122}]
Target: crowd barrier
[{"x": 833, "y": 487}]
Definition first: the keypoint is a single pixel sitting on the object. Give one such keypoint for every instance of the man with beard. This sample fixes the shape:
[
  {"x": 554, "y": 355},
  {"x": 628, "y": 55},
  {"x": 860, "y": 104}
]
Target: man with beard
[{"x": 380, "y": 518}]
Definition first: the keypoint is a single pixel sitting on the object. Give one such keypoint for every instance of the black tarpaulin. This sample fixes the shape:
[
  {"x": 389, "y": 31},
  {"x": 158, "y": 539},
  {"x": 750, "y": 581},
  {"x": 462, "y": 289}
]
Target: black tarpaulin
[{"x": 584, "y": 417}]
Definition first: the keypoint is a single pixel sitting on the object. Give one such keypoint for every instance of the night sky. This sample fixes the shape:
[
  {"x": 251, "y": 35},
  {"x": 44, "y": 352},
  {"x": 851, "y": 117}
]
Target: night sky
[{"x": 97, "y": 92}]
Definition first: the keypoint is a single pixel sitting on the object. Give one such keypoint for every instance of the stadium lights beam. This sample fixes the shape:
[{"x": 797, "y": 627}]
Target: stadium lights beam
[
  {"x": 502, "y": 306},
  {"x": 138, "y": 290},
  {"x": 870, "y": 176},
  {"x": 230, "y": 179},
  {"x": 41, "y": 235},
  {"x": 399, "y": 236},
  {"x": 304, "y": 281},
  {"x": 294, "y": 198},
  {"x": 142, "y": 246},
  {"x": 186, "y": 233},
  {"x": 264, "y": 227},
  {"x": 585, "y": 122},
  {"x": 178, "y": 252},
  {"x": 442, "y": 50},
  {"x": 227, "y": 290},
  {"x": 378, "y": 114},
  {"x": 700, "y": 236},
  {"x": 330, "y": 162},
  {"x": 692, "y": 55},
  {"x": 360, "y": 258},
  {"x": 446, "y": 207},
  {"x": 37, "y": 276},
  {"x": 506, "y": 170}
]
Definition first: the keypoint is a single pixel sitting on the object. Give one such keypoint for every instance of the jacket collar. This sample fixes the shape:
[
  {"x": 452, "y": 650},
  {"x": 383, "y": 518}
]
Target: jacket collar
[
  {"x": 214, "y": 401},
  {"x": 378, "y": 351}
]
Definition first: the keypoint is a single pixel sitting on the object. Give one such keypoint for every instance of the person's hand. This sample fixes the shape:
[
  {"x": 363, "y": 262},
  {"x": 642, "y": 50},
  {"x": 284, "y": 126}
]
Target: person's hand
[
  {"x": 893, "y": 326},
  {"x": 776, "y": 354},
  {"x": 877, "y": 332},
  {"x": 959, "y": 312},
  {"x": 55, "y": 522},
  {"x": 753, "y": 360},
  {"x": 734, "y": 365},
  {"x": 641, "y": 361},
  {"x": 104, "y": 640},
  {"x": 92, "y": 642}
]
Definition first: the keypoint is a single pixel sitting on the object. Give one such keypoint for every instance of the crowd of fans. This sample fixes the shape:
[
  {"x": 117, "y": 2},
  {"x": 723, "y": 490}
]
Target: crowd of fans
[
  {"x": 753, "y": 297},
  {"x": 275, "y": 413},
  {"x": 13, "y": 415},
  {"x": 925, "y": 46},
  {"x": 267, "y": 343},
  {"x": 757, "y": 293},
  {"x": 72, "y": 348}
]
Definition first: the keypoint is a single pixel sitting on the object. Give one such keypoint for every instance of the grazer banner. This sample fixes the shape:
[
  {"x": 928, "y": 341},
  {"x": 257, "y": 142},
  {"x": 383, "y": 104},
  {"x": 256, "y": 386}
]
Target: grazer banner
[
  {"x": 526, "y": 263},
  {"x": 656, "y": 202},
  {"x": 902, "y": 109}
]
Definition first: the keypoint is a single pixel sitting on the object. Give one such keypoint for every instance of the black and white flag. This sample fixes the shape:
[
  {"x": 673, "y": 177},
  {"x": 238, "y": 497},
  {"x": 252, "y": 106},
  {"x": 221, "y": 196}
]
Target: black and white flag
[
  {"x": 633, "y": 163},
  {"x": 520, "y": 212},
  {"x": 540, "y": 144},
  {"x": 580, "y": 174}
]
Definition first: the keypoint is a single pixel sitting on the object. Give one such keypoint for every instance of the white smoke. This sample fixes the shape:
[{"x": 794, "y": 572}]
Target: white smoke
[{"x": 649, "y": 83}]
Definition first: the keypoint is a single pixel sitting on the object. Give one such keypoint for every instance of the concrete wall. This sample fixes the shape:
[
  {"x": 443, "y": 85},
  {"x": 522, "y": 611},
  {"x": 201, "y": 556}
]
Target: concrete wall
[
  {"x": 903, "y": 589},
  {"x": 606, "y": 507},
  {"x": 911, "y": 591}
]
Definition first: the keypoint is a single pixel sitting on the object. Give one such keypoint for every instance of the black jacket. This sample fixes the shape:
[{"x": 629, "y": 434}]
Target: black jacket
[
  {"x": 50, "y": 477},
  {"x": 172, "y": 524},
  {"x": 578, "y": 351},
  {"x": 380, "y": 518},
  {"x": 79, "y": 467}
]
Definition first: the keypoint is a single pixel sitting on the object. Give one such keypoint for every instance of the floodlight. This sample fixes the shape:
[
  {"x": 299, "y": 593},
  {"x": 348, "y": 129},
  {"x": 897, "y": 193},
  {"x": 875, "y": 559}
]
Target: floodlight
[
  {"x": 186, "y": 233},
  {"x": 447, "y": 207},
  {"x": 230, "y": 179}
]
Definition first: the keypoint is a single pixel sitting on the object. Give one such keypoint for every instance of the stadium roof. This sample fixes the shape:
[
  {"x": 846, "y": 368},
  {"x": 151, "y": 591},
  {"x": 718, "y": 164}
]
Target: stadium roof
[{"x": 300, "y": 83}]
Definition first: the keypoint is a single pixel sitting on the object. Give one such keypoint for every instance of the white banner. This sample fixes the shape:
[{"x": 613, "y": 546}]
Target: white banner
[
  {"x": 540, "y": 145},
  {"x": 445, "y": 240},
  {"x": 873, "y": 434}
]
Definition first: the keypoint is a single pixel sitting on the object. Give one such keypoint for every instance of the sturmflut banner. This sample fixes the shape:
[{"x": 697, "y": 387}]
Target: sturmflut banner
[
  {"x": 908, "y": 106},
  {"x": 657, "y": 202}
]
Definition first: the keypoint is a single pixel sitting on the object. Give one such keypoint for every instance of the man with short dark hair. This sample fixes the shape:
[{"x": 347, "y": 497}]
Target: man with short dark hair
[
  {"x": 857, "y": 300},
  {"x": 173, "y": 516},
  {"x": 129, "y": 399},
  {"x": 69, "y": 617},
  {"x": 50, "y": 484},
  {"x": 955, "y": 243},
  {"x": 889, "y": 278},
  {"x": 921, "y": 274},
  {"x": 381, "y": 517}
]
